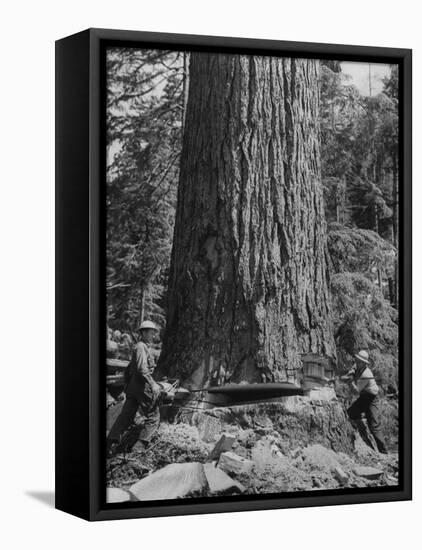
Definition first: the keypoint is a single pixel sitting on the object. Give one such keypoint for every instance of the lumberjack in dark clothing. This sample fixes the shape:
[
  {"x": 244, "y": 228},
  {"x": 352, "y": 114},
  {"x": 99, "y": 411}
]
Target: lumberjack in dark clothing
[
  {"x": 367, "y": 403},
  {"x": 142, "y": 392}
]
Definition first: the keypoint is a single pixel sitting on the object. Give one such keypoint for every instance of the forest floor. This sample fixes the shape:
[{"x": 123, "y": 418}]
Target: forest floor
[{"x": 274, "y": 466}]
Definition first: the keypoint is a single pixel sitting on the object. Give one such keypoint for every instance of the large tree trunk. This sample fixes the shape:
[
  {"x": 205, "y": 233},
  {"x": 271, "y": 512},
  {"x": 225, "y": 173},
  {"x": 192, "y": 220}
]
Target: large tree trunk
[{"x": 248, "y": 288}]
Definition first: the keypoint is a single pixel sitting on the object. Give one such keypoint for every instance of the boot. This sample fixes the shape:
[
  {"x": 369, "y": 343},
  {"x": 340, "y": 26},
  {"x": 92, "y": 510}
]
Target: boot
[
  {"x": 139, "y": 447},
  {"x": 366, "y": 434},
  {"x": 112, "y": 448},
  {"x": 381, "y": 446}
]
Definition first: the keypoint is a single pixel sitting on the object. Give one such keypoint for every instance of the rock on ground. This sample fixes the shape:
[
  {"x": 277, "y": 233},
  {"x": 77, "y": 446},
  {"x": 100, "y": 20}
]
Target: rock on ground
[
  {"x": 235, "y": 464},
  {"x": 173, "y": 481},
  {"x": 319, "y": 457},
  {"x": 113, "y": 494},
  {"x": 368, "y": 472},
  {"x": 340, "y": 475},
  {"x": 225, "y": 443},
  {"x": 219, "y": 482},
  {"x": 265, "y": 453}
]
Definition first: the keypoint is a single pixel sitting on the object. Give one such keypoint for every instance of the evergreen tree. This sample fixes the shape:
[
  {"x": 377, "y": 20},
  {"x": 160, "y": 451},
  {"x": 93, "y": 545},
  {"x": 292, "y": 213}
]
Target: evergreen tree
[
  {"x": 145, "y": 103},
  {"x": 248, "y": 289}
]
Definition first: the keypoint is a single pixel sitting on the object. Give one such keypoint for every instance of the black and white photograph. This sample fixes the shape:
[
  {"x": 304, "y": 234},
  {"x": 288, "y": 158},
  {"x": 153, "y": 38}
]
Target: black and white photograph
[
  {"x": 252, "y": 279},
  {"x": 210, "y": 236}
]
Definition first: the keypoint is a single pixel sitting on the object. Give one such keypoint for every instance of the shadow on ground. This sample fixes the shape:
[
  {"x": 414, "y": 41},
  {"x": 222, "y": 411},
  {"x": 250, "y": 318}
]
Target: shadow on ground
[{"x": 45, "y": 497}]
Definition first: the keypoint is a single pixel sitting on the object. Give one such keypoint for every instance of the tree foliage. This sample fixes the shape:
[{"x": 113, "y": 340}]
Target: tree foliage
[
  {"x": 359, "y": 137},
  {"x": 144, "y": 138},
  {"x": 363, "y": 319},
  {"x": 359, "y": 250},
  {"x": 146, "y": 96}
]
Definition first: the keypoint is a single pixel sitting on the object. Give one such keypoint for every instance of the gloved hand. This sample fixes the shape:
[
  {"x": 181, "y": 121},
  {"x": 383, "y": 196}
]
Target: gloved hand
[{"x": 156, "y": 390}]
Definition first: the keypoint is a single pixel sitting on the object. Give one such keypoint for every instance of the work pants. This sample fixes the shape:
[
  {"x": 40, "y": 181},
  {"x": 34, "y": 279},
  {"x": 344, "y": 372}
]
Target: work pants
[{"x": 369, "y": 405}]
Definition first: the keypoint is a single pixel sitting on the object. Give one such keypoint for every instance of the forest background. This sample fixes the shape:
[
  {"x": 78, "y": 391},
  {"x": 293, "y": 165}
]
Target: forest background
[{"x": 146, "y": 105}]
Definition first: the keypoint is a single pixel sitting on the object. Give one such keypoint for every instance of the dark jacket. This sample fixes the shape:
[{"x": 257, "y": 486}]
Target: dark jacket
[{"x": 138, "y": 374}]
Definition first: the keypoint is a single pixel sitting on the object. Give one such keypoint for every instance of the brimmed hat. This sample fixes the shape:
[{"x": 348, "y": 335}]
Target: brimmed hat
[
  {"x": 147, "y": 325},
  {"x": 363, "y": 355}
]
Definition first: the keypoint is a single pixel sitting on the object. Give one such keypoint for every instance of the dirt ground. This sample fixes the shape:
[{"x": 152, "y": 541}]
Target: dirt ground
[{"x": 278, "y": 467}]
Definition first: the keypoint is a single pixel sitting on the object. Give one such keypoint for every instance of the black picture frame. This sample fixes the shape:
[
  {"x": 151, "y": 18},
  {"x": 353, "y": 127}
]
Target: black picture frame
[{"x": 80, "y": 251}]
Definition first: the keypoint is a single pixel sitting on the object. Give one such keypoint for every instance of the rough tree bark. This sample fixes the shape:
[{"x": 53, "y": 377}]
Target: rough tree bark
[{"x": 248, "y": 289}]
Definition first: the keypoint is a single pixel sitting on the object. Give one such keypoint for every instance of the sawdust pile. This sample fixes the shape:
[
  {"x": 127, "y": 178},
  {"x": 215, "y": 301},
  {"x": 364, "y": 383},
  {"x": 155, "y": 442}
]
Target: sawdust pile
[{"x": 275, "y": 469}]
